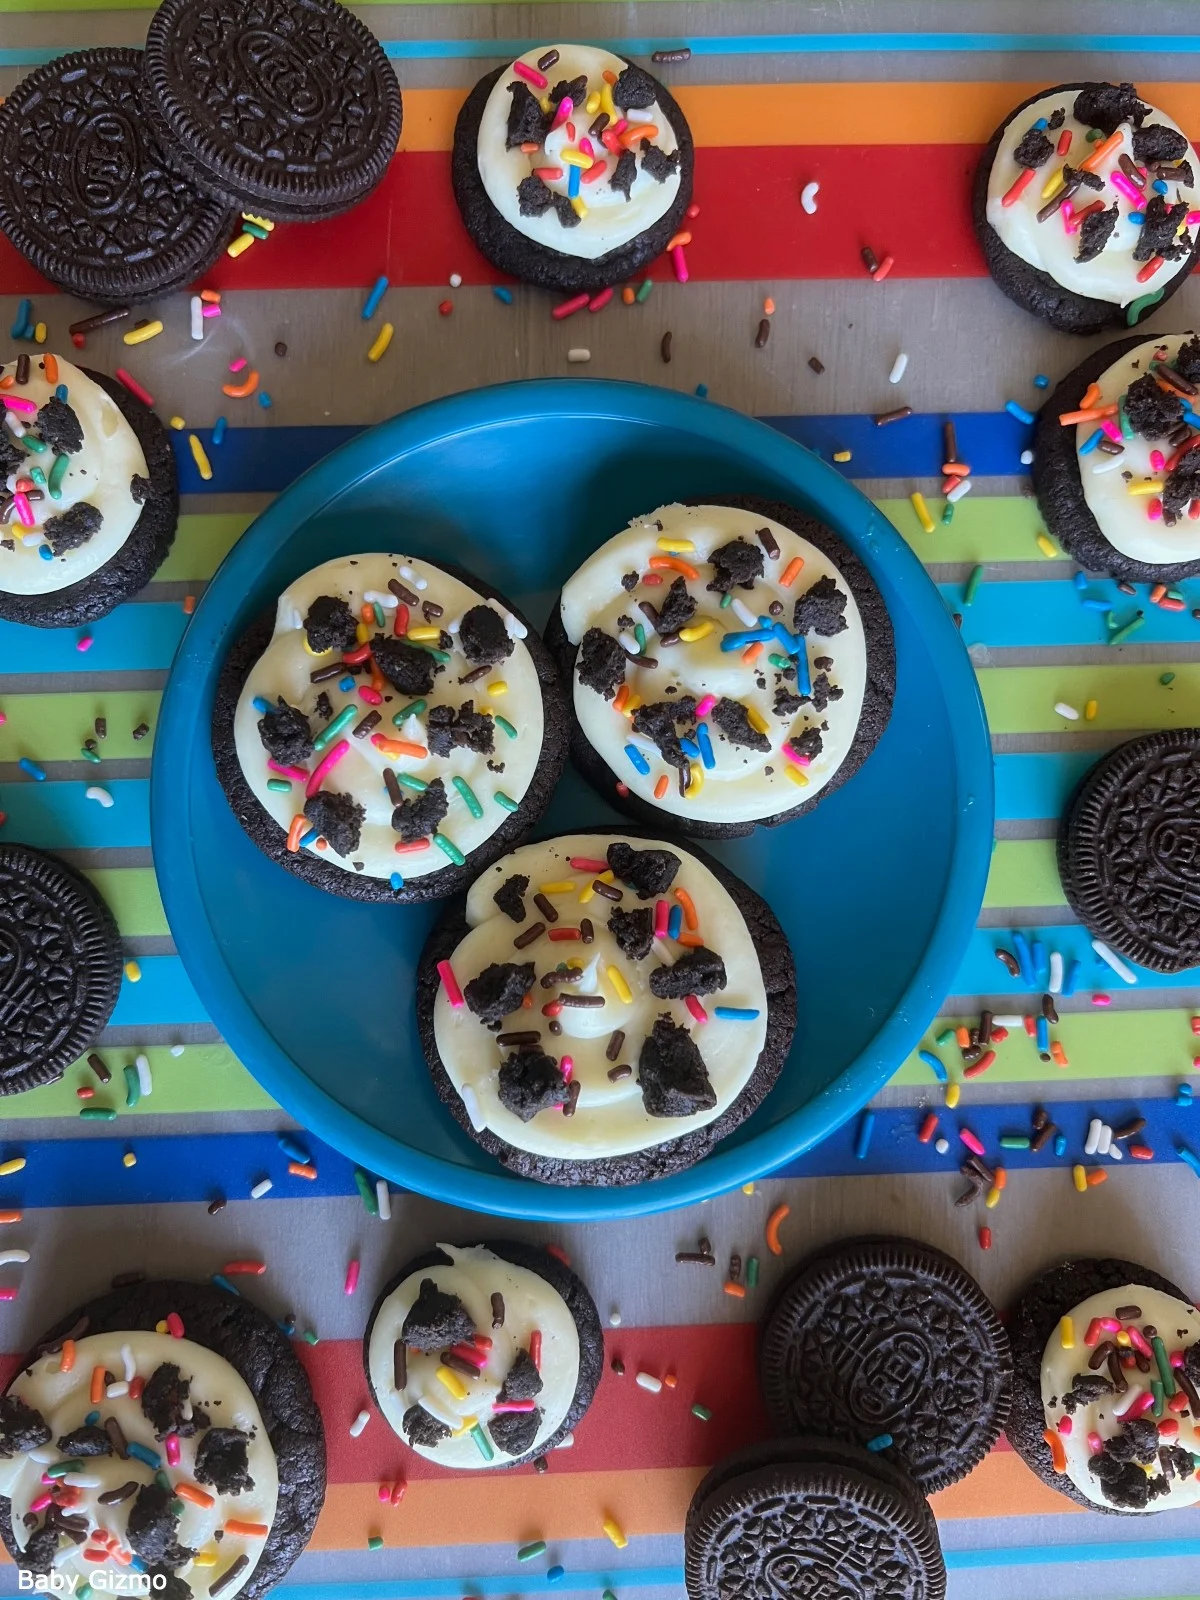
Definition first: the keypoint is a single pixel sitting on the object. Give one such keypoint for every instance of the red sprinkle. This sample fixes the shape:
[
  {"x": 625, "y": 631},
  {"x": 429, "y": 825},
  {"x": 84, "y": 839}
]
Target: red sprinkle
[
  {"x": 599, "y": 301},
  {"x": 568, "y": 308},
  {"x": 174, "y": 1324},
  {"x": 587, "y": 864},
  {"x": 559, "y": 1254},
  {"x": 985, "y": 1234},
  {"x": 928, "y": 1128},
  {"x": 445, "y": 307},
  {"x": 450, "y": 984},
  {"x": 979, "y": 1067},
  {"x": 886, "y": 265},
  {"x": 252, "y": 1268},
  {"x": 535, "y": 1348},
  {"x": 1140, "y": 1152}
]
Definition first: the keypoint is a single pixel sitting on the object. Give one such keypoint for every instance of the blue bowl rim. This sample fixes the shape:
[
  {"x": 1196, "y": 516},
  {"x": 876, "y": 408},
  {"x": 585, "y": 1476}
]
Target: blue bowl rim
[{"x": 764, "y": 450}]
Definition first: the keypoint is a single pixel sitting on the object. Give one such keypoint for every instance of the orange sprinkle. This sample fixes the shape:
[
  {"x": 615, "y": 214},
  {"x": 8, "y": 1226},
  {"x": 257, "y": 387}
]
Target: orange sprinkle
[
  {"x": 1058, "y": 1055},
  {"x": 1156, "y": 594},
  {"x": 1058, "y": 1456},
  {"x": 528, "y": 149},
  {"x": 791, "y": 572},
  {"x": 367, "y": 612},
  {"x": 1000, "y": 1178},
  {"x": 245, "y": 1530},
  {"x": 609, "y": 76},
  {"x": 239, "y": 391},
  {"x": 189, "y": 604},
  {"x": 1104, "y": 148},
  {"x": 50, "y": 368},
  {"x": 692, "y": 941},
  {"x": 628, "y": 294},
  {"x": 68, "y": 1356},
  {"x": 621, "y": 696},
  {"x": 737, "y": 1290},
  {"x": 1090, "y": 414},
  {"x": 212, "y": 296},
  {"x": 96, "y": 1391},
  {"x": 661, "y": 787},
  {"x": 296, "y": 832},
  {"x": 956, "y": 469},
  {"x": 962, "y": 1037},
  {"x": 399, "y": 747},
  {"x": 774, "y": 1222},
  {"x": 190, "y": 1491},
  {"x": 1092, "y": 395},
  {"x": 673, "y": 564},
  {"x": 752, "y": 651},
  {"x": 683, "y": 237},
  {"x": 7, "y": 381},
  {"x": 1096, "y": 1177},
  {"x": 10, "y": 1216},
  {"x": 302, "y": 1169},
  {"x": 689, "y": 909},
  {"x": 768, "y": 307},
  {"x": 669, "y": 1380},
  {"x": 526, "y": 1002}
]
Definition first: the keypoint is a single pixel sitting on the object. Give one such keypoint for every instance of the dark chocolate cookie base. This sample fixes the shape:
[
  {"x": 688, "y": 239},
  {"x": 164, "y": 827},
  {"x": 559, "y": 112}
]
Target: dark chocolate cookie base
[
  {"x": 251, "y": 1342},
  {"x": 139, "y": 558},
  {"x": 673, "y": 1155},
  {"x": 876, "y": 711},
  {"x": 578, "y": 1301},
  {"x": 512, "y": 252},
  {"x": 1036, "y": 291},
  {"x": 1059, "y": 485},
  {"x": 1034, "y": 1318},
  {"x": 271, "y": 839}
]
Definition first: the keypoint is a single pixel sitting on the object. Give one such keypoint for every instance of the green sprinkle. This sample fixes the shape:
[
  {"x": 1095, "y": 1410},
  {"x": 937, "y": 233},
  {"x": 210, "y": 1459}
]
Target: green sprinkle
[
  {"x": 375, "y": 1542},
  {"x": 468, "y": 794},
  {"x": 505, "y": 726},
  {"x": 438, "y": 655},
  {"x": 1159, "y": 1393},
  {"x": 608, "y": 1595},
  {"x": 1164, "y": 1365},
  {"x": 57, "y": 473},
  {"x": 1119, "y": 635},
  {"x": 98, "y": 1114},
  {"x": 133, "y": 1087},
  {"x": 84, "y": 1592},
  {"x": 38, "y": 476},
  {"x": 484, "y": 1445},
  {"x": 1014, "y": 1141},
  {"x": 89, "y": 755},
  {"x": 972, "y": 587},
  {"x": 407, "y": 781},
  {"x": 449, "y": 848},
  {"x": 726, "y": 601},
  {"x": 367, "y": 1190},
  {"x": 779, "y": 661},
  {"x": 379, "y": 619},
  {"x": 175, "y": 1506},
  {"x": 644, "y": 289},
  {"x": 413, "y": 710},
  {"x": 32, "y": 443},
  {"x": 639, "y": 633},
  {"x": 702, "y": 1412},
  {"x": 1123, "y": 420},
  {"x": 342, "y": 720},
  {"x": 1167, "y": 677},
  {"x": 61, "y": 1468},
  {"x": 530, "y": 1552},
  {"x": 752, "y": 1272},
  {"x": 947, "y": 1036},
  {"x": 1134, "y": 310},
  {"x": 505, "y": 800},
  {"x": 1094, "y": 135},
  {"x": 948, "y": 511},
  {"x": 253, "y": 229},
  {"x": 278, "y": 785},
  {"x": 310, "y": 1337}
]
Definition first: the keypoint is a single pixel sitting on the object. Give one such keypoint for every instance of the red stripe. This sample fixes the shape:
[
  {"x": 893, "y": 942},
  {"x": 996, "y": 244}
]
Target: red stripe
[{"x": 910, "y": 201}]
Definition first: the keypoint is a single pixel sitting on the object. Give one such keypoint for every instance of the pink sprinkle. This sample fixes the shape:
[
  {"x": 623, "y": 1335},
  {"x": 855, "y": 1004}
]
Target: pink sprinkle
[
  {"x": 472, "y": 1353},
  {"x": 1067, "y": 211},
  {"x": 1137, "y": 1407},
  {"x": 133, "y": 386},
  {"x": 1094, "y": 1329},
  {"x": 450, "y": 983},
  {"x": 590, "y": 864},
  {"x": 620, "y": 125},
  {"x": 1109, "y": 427},
  {"x": 599, "y": 301},
  {"x": 1111, "y": 1325},
  {"x": 236, "y": 366},
  {"x": 84, "y": 642},
  {"x": 1064, "y": 1425},
  {"x": 1138, "y": 1342},
  {"x": 1095, "y": 1443},
  {"x": 42, "y": 1501},
  {"x": 531, "y": 75},
  {"x": 3, "y": 718},
  {"x": 1176, "y": 1359},
  {"x": 1157, "y": 460},
  {"x": 568, "y": 308},
  {"x": 794, "y": 756},
  {"x": 8, "y": 1294},
  {"x": 501, "y": 1406},
  {"x": 974, "y": 1145},
  {"x": 371, "y": 696},
  {"x": 705, "y": 706},
  {"x": 1154, "y": 510},
  {"x": 693, "y": 210},
  {"x": 23, "y": 509},
  {"x": 1192, "y": 218},
  {"x": 16, "y": 402},
  {"x": 587, "y": 148},
  {"x": 567, "y": 1067},
  {"x": 351, "y": 1277},
  {"x": 296, "y": 774},
  {"x": 398, "y": 1489},
  {"x": 662, "y": 918},
  {"x": 384, "y": 1493},
  {"x": 565, "y": 107},
  {"x": 1129, "y": 189},
  {"x": 210, "y": 311},
  {"x": 172, "y": 1444},
  {"x": 331, "y": 759},
  {"x": 679, "y": 262},
  {"x": 174, "y": 1324},
  {"x": 696, "y": 1009},
  {"x": 1101, "y": 1000}
]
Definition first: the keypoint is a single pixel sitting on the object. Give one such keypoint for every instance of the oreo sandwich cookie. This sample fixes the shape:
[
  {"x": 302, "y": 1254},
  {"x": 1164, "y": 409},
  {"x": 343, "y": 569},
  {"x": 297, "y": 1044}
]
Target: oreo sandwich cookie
[
  {"x": 60, "y": 967},
  {"x": 1117, "y": 481},
  {"x": 1081, "y": 204},
  {"x": 889, "y": 1343},
  {"x": 810, "y": 1516},
  {"x": 87, "y": 193},
  {"x": 484, "y": 1355},
  {"x": 756, "y": 653},
  {"x": 1106, "y": 1373},
  {"x": 572, "y": 167},
  {"x": 167, "y": 1427},
  {"x": 389, "y": 729},
  {"x": 1125, "y": 850},
  {"x": 89, "y": 498},
  {"x": 602, "y": 1008},
  {"x": 286, "y": 107}
]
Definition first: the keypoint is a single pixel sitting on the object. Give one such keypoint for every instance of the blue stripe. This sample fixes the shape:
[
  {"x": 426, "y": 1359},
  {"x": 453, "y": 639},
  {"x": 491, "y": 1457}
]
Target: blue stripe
[
  {"x": 1033, "y": 787},
  {"x": 265, "y": 460},
  {"x": 170, "y": 1169},
  {"x": 163, "y": 995},
  {"x": 56, "y": 816},
  {"x": 1048, "y": 612},
  {"x": 981, "y": 973},
  {"x": 132, "y": 638}
]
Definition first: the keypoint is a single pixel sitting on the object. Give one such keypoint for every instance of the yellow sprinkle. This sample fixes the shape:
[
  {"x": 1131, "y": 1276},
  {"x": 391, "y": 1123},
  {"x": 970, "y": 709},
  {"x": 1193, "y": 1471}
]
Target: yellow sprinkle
[
  {"x": 140, "y": 335},
  {"x": 1046, "y": 547},
  {"x": 993, "y": 1198},
  {"x": 631, "y": 705},
  {"x": 381, "y": 343},
  {"x": 546, "y": 104},
  {"x": 922, "y": 510},
  {"x": 178, "y": 424},
  {"x": 361, "y": 632},
  {"x": 675, "y": 547},
  {"x": 756, "y": 720},
  {"x": 205, "y": 1558},
  {"x": 452, "y": 1381},
  {"x": 747, "y": 1188},
  {"x": 424, "y": 635},
  {"x": 133, "y": 972},
  {"x": 203, "y": 465},
  {"x": 129, "y": 1159},
  {"x": 795, "y": 774},
  {"x": 558, "y": 886},
  {"x": 240, "y": 245},
  {"x": 592, "y": 103},
  {"x": 620, "y": 988},
  {"x": 842, "y": 455},
  {"x": 259, "y": 222},
  {"x": 696, "y": 782},
  {"x": 613, "y": 1530},
  {"x": 498, "y": 688},
  {"x": 39, "y": 332},
  {"x": 1066, "y": 1332},
  {"x": 697, "y": 630},
  {"x": 17, "y": 1164},
  {"x": 574, "y": 158},
  {"x": 1122, "y": 1337},
  {"x": 1089, "y": 711},
  {"x": 161, "y": 1327},
  {"x": 1053, "y": 184},
  {"x": 1155, "y": 486},
  {"x": 952, "y": 1095},
  {"x": 578, "y": 207},
  {"x": 1079, "y": 1178},
  {"x": 606, "y": 102}
]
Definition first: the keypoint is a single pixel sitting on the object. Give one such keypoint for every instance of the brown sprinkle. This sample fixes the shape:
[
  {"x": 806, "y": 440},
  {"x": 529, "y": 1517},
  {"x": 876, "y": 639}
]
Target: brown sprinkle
[
  {"x": 115, "y": 1496},
  {"x": 607, "y": 891},
  {"x": 968, "y": 1195},
  {"x": 1116, "y": 1373},
  {"x": 392, "y": 785},
  {"x": 545, "y": 907},
  {"x": 667, "y": 58},
  {"x": 323, "y": 674},
  {"x": 616, "y": 1074},
  {"x": 586, "y": 932},
  {"x": 572, "y": 1099},
  {"x": 363, "y": 728},
  {"x": 22, "y": 373},
  {"x": 229, "y": 1575},
  {"x": 476, "y": 673},
  {"x": 1042, "y": 1137},
  {"x": 101, "y": 727},
  {"x": 456, "y": 1363},
  {"x": 949, "y": 440},
  {"x": 763, "y": 334},
  {"x": 769, "y": 543},
  {"x": 529, "y": 1036},
  {"x": 898, "y": 415},
  {"x": 550, "y": 59},
  {"x": 1128, "y": 1313},
  {"x": 1049, "y": 1010},
  {"x": 431, "y": 611},
  {"x": 581, "y": 1001},
  {"x": 614, "y": 1044},
  {"x": 100, "y": 320},
  {"x": 817, "y": 365},
  {"x": 400, "y": 1364},
  {"x": 99, "y": 1068},
  {"x": 497, "y": 1310},
  {"x": 216, "y": 1205},
  {"x": 534, "y": 931},
  {"x": 665, "y": 348},
  {"x": 1128, "y": 1129},
  {"x": 114, "y": 1431},
  {"x": 140, "y": 732},
  {"x": 401, "y": 593},
  {"x": 702, "y": 1258},
  {"x": 618, "y": 1366},
  {"x": 281, "y": 349}
]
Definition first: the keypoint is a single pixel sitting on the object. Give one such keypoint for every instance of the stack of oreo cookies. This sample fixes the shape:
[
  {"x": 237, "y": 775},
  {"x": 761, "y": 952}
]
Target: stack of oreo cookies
[{"x": 123, "y": 172}]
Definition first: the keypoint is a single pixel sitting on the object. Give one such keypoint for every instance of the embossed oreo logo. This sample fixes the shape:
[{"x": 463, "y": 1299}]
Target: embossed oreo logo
[
  {"x": 289, "y": 81},
  {"x": 803, "y": 1575},
  {"x": 99, "y": 162},
  {"x": 891, "y": 1373},
  {"x": 1174, "y": 843}
]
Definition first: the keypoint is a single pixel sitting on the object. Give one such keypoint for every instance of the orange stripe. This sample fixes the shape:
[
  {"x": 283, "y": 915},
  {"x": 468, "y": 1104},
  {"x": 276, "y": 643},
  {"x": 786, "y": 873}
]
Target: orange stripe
[
  {"x": 1001, "y": 1486},
  {"x": 819, "y": 113}
]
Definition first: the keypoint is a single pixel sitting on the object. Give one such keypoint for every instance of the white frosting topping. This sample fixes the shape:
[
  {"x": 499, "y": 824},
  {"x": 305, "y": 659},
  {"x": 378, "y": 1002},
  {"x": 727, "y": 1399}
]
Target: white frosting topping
[
  {"x": 1124, "y": 517},
  {"x": 611, "y": 220},
  {"x": 744, "y": 784},
  {"x": 531, "y": 1305},
  {"x": 1178, "y": 1325},
  {"x": 99, "y": 473},
  {"x": 1112, "y": 275},
  {"x": 510, "y": 690},
  {"x": 63, "y": 1399},
  {"x": 610, "y": 1118}
]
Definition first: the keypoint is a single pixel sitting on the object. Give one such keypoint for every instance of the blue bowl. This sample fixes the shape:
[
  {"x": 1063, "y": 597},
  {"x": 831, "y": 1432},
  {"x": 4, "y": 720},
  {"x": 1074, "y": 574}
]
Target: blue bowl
[{"x": 878, "y": 889}]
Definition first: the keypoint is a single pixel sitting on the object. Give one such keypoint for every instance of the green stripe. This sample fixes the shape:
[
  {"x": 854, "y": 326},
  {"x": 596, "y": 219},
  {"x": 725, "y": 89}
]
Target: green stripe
[
  {"x": 1128, "y": 696},
  {"x": 202, "y": 542},
  {"x": 1024, "y": 873},
  {"x": 985, "y": 528},
  {"x": 1117, "y": 1044},
  {"x": 131, "y": 894},
  {"x": 205, "y": 1078},
  {"x": 52, "y": 727}
]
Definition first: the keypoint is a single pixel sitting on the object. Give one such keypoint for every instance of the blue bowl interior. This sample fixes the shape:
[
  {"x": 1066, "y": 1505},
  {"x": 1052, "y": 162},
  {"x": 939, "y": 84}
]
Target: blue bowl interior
[{"x": 878, "y": 888}]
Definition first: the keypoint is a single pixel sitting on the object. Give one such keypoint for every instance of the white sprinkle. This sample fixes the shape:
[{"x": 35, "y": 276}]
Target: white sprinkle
[
  {"x": 961, "y": 488},
  {"x": 383, "y": 1199},
  {"x": 647, "y": 1380},
  {"x": 1026, "y": 458},
  {"x": 1064, "y": 710},
  {"x": 614, "y": 1318},
  {"x": 942, "y": 1146},
  {"x": 359, "y": 1423},
  {"x": 514, "y": 627},
  {"x": 13, "y": 1258},
  {"x": 80, "y": 1480},
  {"x": 579, "y": 355},
  {"x": 116, "y": 1391},
  {"x": 635, "y": 114},
  {"x": 899, "y": 367},
  {"x": 470, "y": 1102},
  {"x": 262, "y": 1187},
  {"x": 456, "y": 280},
  {"x": 453, "y": 628},
  {"x": 1056, "y": 972},
  {"x": 629, "y": 643},
  {"x": 1092, "y": 1142},
  {"x": 1104, "y": 1145},
  {"x": 30, "y": 539},
  {"x": 177, "y": 1050},
  {"x": 566, "y": 1442},
  {"x": 14, "y": 425},
  {"x": 98, "y": 794},
  {"x": 196, "y": 307},
  {"x": 808, "y": 198},
  {"x": 129, "y": 1364},
  {"x": 1008, "y": 1022},
  {"x": 380, "y": 597},
  {"x": 1115, "y": 1152},
  {"x": 1107, "y": 464},
  {"x": 1111, "y": 959},
  {"x": 145, "y": 1081},
  {"x": 743, "y": 612}
]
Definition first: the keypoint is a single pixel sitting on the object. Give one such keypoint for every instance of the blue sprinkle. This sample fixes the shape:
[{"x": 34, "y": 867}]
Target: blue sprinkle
[
  {"x": 637, "y": 759},
  {"x": 1159, "y": 186},
  {"x": 222, "y": 1282},
  {"x": 1188, "y": 1156},
  {"x": 1024, "y": 958},
  {"x": 1041, "y": 381},
  {"x": 1043, "y": 1036},
  {"x": 504, "y": 295},
  {"x": 293, "y": 1149},
  {"x": 20, "y": 321},
  {"x": 788, "y": 641},
  {"x": 264, "y": 400},
  {"x": 702, "y": 391},
  {"x": 690, "y": 749},
  {"x": 881, "y": 1441},
  {"x": 139, "y": 1452},
  {"x": 1041, "y": 964},
  {"x": 372, "y": 301},
  {"x": 1040, "y": 123},
  {"x": 803, "y": 676},
  {"x": 397, "y": 882},
  {"x": 862, "y": 1141},
  {"x": 260, "y": 705},
  {"x": 573, "y": 183},
  {"x": 92, "y": 1418},
  {"x": 934, "y": 1064},
  {"x": 1183, "y": 1095},
  {"x": 45, "y": 552},
  {"x": 1018, "y": 411},
  {"x": 1071, "y": 977},
  {"x": 310, "y": 837},
  {"x": 736, "y": 1013},
  {"x": 346, "y": 684},
  {"x": 61, "y": 392},
  {"x": 557, "y": 1573},
  {"x": 138, "y": 1564},
  {"x": 1091, "y": 442},
  {"x": 1092, "y": 602},
  {"x": 218, "y": 433},
  {"x": 705, "y": 743},
  {"x": 32, "y": 770},
  {"x": 1060, "y": 1144},
  {"x": 1137, "y": 218},
  {"x": 675, "y": 922},
  {"x": 739, "y": 641},
  {"x": 288, "y": 1326},
  {"x": 1080, "y": 580}
]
